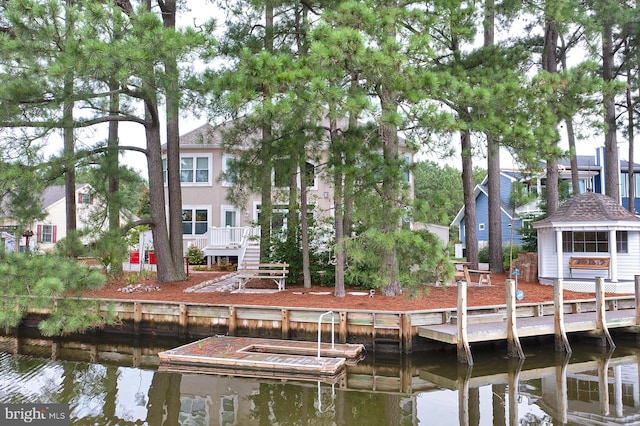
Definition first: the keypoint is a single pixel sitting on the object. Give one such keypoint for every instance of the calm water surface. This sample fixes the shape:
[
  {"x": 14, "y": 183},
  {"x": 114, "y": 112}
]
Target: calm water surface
[{"x": 110, "y": 382}]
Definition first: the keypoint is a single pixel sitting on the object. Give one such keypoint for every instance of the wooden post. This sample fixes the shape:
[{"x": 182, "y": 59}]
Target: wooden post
[
  {"x": 232, "y": 321},
  {"x": 601, "y": 320},
  {"x": 137, "y": 317},
  {"x": 514, "y": 349},
  {"x": 285, "y": 324},
  {"x": 342, "y": 327},
  {"x": 184, "y": 319},
  {"x": 464, "y": 351},
  {"x": 407, "y": 336},
  {"x": 561, "y": 341}
]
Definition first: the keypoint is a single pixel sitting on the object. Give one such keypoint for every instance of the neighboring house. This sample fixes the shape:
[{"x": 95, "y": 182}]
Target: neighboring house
[
  {"x": 591, "y": 178},
  {"x": 213, "y": 223},
  {"x": 46, "y": 232},
  {"x": 54, "y": 226}
]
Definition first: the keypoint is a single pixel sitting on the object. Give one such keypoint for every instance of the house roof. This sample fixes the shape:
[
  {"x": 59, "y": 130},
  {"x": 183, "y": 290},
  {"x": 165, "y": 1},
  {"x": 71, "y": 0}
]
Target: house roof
[
  {"x": 53, "y": 194},
  {"x": 588, "y": 208},
  {"x": 203, "y": 135}
]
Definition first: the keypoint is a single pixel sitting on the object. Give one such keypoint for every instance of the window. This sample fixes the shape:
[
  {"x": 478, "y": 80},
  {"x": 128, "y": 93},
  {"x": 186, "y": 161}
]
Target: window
[
  {"x": 585, "y": 241},
  {"x": 229, "y": 171},
  {"x": 84, "y": 198},
  {"x": 164, "y": 170},
  {"x": 310, "y": 175},
  {"x": 194, "y": 169},
  {"x": 46, "y": 233},
  {"x": 481, "y": 227},
  {"x": 194, "y": 221},
  {"x": 281, "y": 173},
  {"x": 622, "y": 242},
  {"x": 624, "y": 184}
]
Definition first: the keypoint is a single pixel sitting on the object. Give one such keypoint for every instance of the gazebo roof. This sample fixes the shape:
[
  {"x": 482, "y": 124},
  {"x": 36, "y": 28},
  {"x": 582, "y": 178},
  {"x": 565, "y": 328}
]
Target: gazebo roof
[{"x": 589, "y": 208}]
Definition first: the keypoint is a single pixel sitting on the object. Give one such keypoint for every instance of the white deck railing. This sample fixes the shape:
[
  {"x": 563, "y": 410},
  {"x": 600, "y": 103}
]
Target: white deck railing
[{"x": 231, "y": 238}]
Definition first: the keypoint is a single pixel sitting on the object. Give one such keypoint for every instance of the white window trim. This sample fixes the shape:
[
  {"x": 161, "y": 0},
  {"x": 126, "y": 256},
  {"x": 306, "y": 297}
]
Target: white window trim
[
  {"x": 198, "y": 207},
  {"x": 481, "y": 227},
  {"x": 194, "y": 156},
  {"x": 225, "y": 158}
]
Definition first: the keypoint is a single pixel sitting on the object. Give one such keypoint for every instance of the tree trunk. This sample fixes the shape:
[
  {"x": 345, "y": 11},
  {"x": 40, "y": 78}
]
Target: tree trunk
[
  {"x": 550, "y": 64},
  {"x": 575, "y": 175},
  {"x": 471, "y": 234},
  {"x": 338, "y": 207},
  {"x": 266, "y": 204},
  {"x": 69, "y": 143},
  {"x": 612, "y": 172},
  {"x": 304, "y": 225},
  {"x": 493, "y": 165},
  {"x": 172, "y": 108},
  {"x": 113, "y": 171},
  {"x": 69, "y": 159},
  {"x": 630, "y": 136},
  {"x": 167, "y": 270}
]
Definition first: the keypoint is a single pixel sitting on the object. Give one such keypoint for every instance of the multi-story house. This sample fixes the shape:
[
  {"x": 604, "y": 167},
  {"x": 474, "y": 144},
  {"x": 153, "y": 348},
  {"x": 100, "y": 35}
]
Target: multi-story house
[
  {"x": 591, "y": 178},
  {"x": 219, "y": 227}
]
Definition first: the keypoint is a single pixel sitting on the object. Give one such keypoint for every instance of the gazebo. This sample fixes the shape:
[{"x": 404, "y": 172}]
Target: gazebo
[{"x": 590, "y": 235}]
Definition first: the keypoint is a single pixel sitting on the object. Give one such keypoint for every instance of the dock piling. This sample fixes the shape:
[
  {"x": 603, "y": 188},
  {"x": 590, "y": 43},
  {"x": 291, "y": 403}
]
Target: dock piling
[{"x": 560, "y": 334}]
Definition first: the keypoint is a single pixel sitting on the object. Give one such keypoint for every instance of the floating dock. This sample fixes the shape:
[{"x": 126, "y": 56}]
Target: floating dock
[{"x": 233, "y": 354}]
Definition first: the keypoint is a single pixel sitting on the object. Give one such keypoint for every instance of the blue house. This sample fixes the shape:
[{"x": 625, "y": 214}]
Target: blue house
[{"x": 591, "y": 179}]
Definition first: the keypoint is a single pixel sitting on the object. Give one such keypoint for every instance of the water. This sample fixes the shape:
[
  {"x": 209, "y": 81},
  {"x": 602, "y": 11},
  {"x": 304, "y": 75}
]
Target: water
[{"x": 111, "y": 382}]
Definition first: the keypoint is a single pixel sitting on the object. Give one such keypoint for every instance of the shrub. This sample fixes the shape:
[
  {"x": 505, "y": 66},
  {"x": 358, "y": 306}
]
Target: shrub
[{"x": 195, "y": 256}]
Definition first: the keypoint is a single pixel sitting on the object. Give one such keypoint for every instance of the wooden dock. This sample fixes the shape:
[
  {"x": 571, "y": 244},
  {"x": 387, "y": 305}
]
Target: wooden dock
[
  {"x": 527, "y": 327},
  {"x": 295, "y": 358},
  {"x": 464, "y": 332}
]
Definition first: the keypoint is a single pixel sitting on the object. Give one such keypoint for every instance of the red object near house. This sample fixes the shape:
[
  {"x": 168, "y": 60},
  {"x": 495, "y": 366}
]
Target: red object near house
[
  {"x": 152, "y": 258},
  {"x": 134, "y": 257}
]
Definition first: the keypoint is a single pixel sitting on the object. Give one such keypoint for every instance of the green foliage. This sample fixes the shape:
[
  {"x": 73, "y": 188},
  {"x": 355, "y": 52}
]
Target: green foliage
[
  {"x": 321, "y": 269},
  {"x": 515, "y": 251},
  {"x": 421, "y": 257},
  {"x": 110, "y": 248},
  {"x": 71, "y": 245},
  {"x": 46, "y": 282},
  {"x": 483, "y": 255},
  {"x": 529, "y": 235},
  {"x": 195, "y": 256},
  {"x": 438, "y": 191}
]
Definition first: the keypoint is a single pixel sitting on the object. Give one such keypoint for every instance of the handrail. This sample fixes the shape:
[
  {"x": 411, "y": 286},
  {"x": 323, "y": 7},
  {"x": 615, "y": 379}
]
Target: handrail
[{"x": 333, "y": 346}]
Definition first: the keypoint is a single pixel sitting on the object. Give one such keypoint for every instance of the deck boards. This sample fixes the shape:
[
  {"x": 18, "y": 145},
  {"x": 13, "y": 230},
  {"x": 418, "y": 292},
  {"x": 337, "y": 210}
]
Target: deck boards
[
  {"x": 240, "y": 353},
  {"x": 526, "y": 327}
]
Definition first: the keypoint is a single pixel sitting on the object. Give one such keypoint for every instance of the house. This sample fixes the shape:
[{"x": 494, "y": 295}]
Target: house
[
  {"x": 220, "y": 227},
  {"x": 44, "y": 233},
  {"x": 600, "y": 233},
  {"x": 591, "y": 178}
]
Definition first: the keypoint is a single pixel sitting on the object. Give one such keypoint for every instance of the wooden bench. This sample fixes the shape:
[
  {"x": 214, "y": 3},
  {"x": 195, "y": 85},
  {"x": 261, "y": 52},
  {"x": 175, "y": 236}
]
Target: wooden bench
[
  {"x": 484, "y": 277},
  {"x": 272, "y": 271},
  {"x": 592, "y": 263},
  {"x": 466, "y": 274}
]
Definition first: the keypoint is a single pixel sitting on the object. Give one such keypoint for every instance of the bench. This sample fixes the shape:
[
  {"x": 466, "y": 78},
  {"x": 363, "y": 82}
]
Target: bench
[
  {"x": 592, "y": 263},
  {"x": 273, "y": 271},
  {"x": 465, "y": 274}
]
